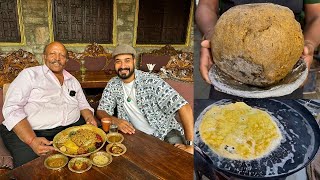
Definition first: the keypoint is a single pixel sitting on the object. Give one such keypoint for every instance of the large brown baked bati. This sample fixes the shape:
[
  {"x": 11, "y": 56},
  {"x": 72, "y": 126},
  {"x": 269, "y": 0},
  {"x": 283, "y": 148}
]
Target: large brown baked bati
[{"x": 257, "y": 44}]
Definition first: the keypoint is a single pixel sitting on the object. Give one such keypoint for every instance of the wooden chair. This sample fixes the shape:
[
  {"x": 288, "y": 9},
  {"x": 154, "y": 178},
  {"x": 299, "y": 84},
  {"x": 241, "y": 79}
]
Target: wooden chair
[
  {"x": 14, "y": 63},
  {"x": 178, "y": 73},
  {"x": 180, "y": 67},
  {"x": 177, "y": 69},
  {"x": 6, "y": 160},
  {"x": 11, "y": 65},
  {"x": 160, "y": 57},
  {"x": 2, "y": 56},
  {"x": 73, "y": 63},
  {"x": 94, "y": 57}
]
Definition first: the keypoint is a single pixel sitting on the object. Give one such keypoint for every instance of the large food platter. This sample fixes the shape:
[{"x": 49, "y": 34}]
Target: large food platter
[{"x": 80, "y": 141}]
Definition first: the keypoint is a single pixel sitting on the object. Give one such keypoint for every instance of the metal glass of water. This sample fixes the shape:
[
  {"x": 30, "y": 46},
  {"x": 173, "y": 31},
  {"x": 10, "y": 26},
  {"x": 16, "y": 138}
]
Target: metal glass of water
[{"x": 113, "y": 128}]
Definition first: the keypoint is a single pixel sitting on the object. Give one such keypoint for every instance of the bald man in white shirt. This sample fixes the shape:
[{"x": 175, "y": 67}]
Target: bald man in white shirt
[{"x": 41, "y": 102}]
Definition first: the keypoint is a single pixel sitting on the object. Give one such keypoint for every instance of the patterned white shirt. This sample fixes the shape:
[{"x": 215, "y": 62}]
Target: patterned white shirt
[{"x": 157, "y": 100}]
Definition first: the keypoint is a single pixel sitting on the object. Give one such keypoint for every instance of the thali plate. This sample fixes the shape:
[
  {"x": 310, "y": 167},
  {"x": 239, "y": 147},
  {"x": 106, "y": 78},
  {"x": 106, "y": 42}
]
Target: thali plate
[{"x": 67, "y": 131}]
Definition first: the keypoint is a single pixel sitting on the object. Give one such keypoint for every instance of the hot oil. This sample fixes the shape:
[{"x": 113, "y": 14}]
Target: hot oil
[{"x": 278, "y": 160}]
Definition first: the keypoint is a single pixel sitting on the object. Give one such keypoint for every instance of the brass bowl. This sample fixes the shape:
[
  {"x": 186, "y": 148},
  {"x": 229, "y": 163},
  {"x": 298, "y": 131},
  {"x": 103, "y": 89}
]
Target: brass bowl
[
  {"x": 110, "y": 150},
  {"x": 56, "y": 161},
  {"x": 114, "y": 137},
  {"x": 66, "y": 132},
  {"x": 79, "y": 164},
  {"x": 101, "y": 158}
]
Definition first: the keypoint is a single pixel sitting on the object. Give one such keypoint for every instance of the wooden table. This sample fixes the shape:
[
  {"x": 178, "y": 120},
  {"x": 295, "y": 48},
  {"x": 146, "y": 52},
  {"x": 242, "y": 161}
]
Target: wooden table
[
  {"x": 93, "y": 79},
  {"x": 146, "y": 158}
]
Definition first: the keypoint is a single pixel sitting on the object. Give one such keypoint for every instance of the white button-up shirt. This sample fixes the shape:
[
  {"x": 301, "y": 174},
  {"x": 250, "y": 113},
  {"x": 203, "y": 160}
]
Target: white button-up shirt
[{"x": 37, "y": 95}]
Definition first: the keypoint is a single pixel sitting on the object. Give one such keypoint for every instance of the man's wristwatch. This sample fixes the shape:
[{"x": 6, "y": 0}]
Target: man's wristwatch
[{"x": 189, "y": 143}]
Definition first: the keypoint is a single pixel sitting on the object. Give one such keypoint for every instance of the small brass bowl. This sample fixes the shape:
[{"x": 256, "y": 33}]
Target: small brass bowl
[
  {"x": 79, "y": 164},
  {"x": 56, "y": 161},
  {"x": 101, "y": 158},
  {"x": 114, "y": 137},
  {"x": 116, "y": 149}
]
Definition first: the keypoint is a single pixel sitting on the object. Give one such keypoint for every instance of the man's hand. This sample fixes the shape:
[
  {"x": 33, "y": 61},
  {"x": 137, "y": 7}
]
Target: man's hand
[
  {"x": 41, "y": 146},
  {"x": 186, "y": 148},
  {"x": 92, "y": 120},
  {"x": 307, "y": 54},
  {"x": 205, "y": 60},
  {"x": 124, "y": 126}
]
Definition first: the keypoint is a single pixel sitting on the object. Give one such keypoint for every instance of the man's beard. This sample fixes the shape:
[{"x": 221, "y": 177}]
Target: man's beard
[{"x": 124, "y": 76}]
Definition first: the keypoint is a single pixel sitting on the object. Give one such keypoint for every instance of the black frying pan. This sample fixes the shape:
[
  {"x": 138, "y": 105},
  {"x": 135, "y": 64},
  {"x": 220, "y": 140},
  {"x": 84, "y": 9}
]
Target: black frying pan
[{"x": 299, "y": 146}]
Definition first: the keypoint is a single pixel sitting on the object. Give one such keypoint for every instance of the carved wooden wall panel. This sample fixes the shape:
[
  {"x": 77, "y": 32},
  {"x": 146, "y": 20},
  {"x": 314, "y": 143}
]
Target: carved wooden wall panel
[
  {"x": 163, "y": 21},
  {"x": 79, "y": 21},
  {"x": 9, "y": 24},
  {"x": 2, "y": 56},
  {"x": 95, "y": 57},
  {"x": 14, "y": 63}
]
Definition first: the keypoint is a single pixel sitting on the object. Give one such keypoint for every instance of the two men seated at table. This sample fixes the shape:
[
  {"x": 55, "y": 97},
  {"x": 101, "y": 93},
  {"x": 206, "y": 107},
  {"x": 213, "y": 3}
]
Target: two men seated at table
[
  {"x": 145, "y": 102},
  {"x": 41, "y": 102}
]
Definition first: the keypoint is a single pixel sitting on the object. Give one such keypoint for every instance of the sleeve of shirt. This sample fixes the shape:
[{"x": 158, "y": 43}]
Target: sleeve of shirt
[
  {"x": 168, "y": 98},
  {"x": 16, "y": 98},
  {"x": 82, "y": 100},
  {"x": 107, "y": 102}
]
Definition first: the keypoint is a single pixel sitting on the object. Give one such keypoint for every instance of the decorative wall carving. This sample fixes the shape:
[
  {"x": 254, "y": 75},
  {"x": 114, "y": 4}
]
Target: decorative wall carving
[
  {"x": 94, "y": 50},
  {"x": 95, "y": 58},
  {"x": 165, "y": 50},
  {"x": 14, "y": 63},
  {"x": 180, "y": 67},
  {"x": 2, "y": 56},
  {"x": 175, "y": 64}
]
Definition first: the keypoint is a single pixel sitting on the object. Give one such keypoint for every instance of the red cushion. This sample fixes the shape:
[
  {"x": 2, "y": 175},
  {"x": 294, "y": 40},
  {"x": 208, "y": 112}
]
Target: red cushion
[
  {"x": 109, "y": 69},
  {"x": 153, "y": 59},
  {"x": 184, "y": 89},
  {"x": 110, "y": 66},
  {"x": 72, "y": 65},
  {"x": 95, "y": 63}
]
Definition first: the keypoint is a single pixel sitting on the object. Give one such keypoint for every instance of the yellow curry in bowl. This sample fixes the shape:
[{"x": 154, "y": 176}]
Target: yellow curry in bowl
[
  {"x": 56, "y": 161},
  {"x": 114, "y": 137}
]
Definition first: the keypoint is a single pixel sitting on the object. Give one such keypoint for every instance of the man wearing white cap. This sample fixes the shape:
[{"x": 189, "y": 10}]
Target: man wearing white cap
[{"x": 145, "y": 102}]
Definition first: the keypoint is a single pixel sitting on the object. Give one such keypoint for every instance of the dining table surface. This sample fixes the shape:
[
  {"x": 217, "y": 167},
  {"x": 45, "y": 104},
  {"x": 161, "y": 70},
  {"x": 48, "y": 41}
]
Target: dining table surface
[
  {"x": 93, "y": 79},
  {"x": 147, "y": 157}
]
